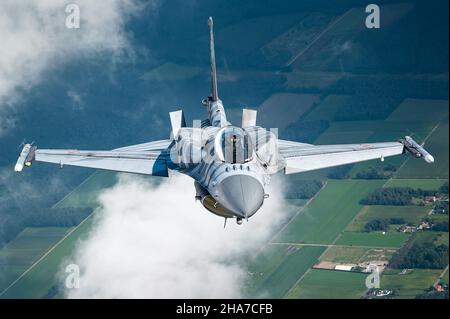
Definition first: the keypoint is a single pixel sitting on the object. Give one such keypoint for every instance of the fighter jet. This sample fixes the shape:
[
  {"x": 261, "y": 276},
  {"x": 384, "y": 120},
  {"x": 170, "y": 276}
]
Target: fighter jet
[{"x": 231, "y": 165}]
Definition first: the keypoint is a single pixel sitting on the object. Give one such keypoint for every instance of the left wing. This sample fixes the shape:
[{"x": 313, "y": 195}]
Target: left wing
[
  {"x": 147, "y": 158},
  {"x": 300, "y": 157}
]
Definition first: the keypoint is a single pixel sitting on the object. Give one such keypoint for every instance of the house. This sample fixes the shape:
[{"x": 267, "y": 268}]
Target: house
[
  {"x": 406, "y": 229},
  {"x": 430, "y": 199},
  {"x": 383, "y": 293},
  {"x": 424, "y": 225},
  {"x": 440, "y": 287}
]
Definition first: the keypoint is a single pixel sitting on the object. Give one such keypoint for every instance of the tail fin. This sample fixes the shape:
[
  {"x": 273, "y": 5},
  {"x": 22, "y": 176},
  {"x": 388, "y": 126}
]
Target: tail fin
[
  {"x": 177, "y": 121},
  {"x": 214, "y": 94}
]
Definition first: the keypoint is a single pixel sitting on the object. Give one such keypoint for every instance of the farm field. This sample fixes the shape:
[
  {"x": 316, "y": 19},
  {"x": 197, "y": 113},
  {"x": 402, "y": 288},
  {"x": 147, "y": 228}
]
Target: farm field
[
  {"x": 287, "y": 46},
  {"x": 39, "y": 280},
  {"x": 344, "y": 254},
  {"x": 327, "y": 109},
  {"x": 247, "y": 36},
  {"x": 299, "y": 79},
  {"x": 329, "y": 213},
  {"x": 284, "y": 272},
  {"x": 329, "y": 284},
  {"x": 86, "y": 194},
  {"x": 428, "y": 184},
  {"x": 411, "y": 110},
  {"x": 171, "y": 72},
  {"x": 409, "y": 284},
  {"x": 376, "y": 131},
  {"x": 376, "y": 239},
  {"x": 411, "y": 214},
  {"x": 282, "y": 109},
  {"x": 354, "y": 255},
  {"x": 19, "y": 254},
  {"x": 320, "y": 55},
  {"x": 445, "y": 277}
]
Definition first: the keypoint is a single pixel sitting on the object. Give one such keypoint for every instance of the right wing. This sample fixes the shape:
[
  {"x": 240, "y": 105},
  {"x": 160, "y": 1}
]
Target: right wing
[
  {"x": 300, "y": 157},
  {"x": 147, "y": 158}
]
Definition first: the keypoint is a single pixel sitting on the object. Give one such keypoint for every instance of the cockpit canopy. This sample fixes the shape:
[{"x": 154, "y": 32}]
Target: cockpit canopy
[{"x": 233, "y": 145}]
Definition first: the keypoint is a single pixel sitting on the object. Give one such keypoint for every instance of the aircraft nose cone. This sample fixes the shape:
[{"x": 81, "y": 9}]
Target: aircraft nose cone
[{"x": 241, "y": 194}]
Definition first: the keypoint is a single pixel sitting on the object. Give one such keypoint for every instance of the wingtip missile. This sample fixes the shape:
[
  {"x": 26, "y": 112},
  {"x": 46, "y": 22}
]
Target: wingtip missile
[
  {"x": 417, "y": 150},
  {"x": 26, "y": 157},
  {"x": 18, "y": 167},
  {"x": 429, "y": 158}
]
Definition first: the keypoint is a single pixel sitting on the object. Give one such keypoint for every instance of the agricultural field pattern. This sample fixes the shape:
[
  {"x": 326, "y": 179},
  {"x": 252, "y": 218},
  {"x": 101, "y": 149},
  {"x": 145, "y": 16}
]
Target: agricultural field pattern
[{"x": 321, "y": 231}]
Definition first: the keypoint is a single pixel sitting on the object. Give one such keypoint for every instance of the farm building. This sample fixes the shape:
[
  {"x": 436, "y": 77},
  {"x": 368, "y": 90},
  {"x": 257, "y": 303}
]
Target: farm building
[
  {"x": 344, "y": 267},
  {"x": 430, "y": 199}
]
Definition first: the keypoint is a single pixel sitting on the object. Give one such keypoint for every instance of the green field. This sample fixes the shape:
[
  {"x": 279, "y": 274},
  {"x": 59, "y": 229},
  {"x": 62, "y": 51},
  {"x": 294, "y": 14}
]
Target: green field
[
  {"x": 282, "y": 109},
  {"x": 264, "y": 263},
  {"x": 287, "y": 45},
  {"x": 285, "y": 266},
  {"x": 381, "y": 131},
  {"x": 37, "y": 282},
  {"x": 430, "y": 184},
  {"x": 19, "y": 254},
  {"x": 426, "y": 110},
  {"x": 329, "y": 284},
  {"x": 86, "y": 194},
  {"x": 344, "y": 254},
  {"x": 300, "y": 79},
  {"x": 328, "y": 107},
  {"x": 445, "y": 277},
  {"x": 411, "y": 214},
  {"x": 409, "y": 284},
  {"x": 171, "y": 72},
  {"x": 322, "y": 54},
  {"x": 249, "y": 35},
  {"x": 329, "y": 213},
  {"x": 376, "y": 239},
  {"x": 354, "y": 255}
]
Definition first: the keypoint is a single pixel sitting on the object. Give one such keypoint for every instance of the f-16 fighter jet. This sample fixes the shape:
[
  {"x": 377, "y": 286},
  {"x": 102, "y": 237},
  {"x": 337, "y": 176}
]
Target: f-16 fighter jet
[{"x": 230, "y": 164}]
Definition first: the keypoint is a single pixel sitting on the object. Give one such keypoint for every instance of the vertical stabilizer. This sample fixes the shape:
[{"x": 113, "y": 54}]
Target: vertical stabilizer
[
  {"x": 214, "y": 93},
  {"x": 248, "y": 118},
  {"x": 177, "y": 121}
]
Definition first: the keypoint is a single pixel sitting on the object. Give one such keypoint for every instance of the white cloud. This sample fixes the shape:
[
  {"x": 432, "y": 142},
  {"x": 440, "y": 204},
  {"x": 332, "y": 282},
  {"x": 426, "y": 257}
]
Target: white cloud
[
  {"x": 76, "y": 99},
  {"x": 156, "y": 242},
  {"x": 33, "y": 39}
]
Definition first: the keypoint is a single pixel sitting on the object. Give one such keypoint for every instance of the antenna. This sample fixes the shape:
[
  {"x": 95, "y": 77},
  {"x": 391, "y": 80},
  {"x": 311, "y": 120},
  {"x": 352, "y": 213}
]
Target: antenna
[{"x": 214, "y": 94}]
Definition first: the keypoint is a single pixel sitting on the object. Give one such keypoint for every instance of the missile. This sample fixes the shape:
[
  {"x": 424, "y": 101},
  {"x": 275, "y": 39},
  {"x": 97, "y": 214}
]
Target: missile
[
  {"x": 26, "y": 157},
  {"x": 417, "y": 150}
]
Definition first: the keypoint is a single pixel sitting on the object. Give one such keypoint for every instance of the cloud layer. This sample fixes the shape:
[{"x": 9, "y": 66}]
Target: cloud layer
[
  {"x": 34, "y": 39},
  {"x": 156, "y": 242}
]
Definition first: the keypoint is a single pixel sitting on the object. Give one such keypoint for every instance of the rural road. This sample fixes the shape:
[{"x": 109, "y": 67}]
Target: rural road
[{"x": 332, "y": 245}]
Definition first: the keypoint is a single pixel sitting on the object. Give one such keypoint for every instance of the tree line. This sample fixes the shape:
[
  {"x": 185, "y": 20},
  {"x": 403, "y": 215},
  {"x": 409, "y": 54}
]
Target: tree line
[
  {"x": 304, "y": 189},
  {"x": 421, "y": 255},
  {"x": 381, "y": 224},
  {"x": 397, "y": 196}
]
